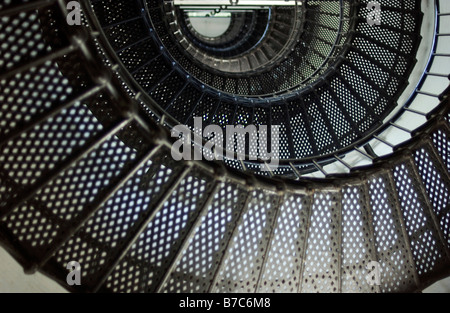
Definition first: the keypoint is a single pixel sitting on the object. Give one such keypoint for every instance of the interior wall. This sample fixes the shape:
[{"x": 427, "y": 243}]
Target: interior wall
[{"x": 14, "y": 280}]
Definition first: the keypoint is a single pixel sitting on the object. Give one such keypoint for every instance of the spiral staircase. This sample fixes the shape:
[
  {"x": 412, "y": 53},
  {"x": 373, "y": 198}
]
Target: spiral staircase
[{"x": 86, "y": 172}]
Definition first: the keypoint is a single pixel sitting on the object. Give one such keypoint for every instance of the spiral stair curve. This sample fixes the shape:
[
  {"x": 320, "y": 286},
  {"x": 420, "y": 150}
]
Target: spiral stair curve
[{"x": 87, "y": 173}]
